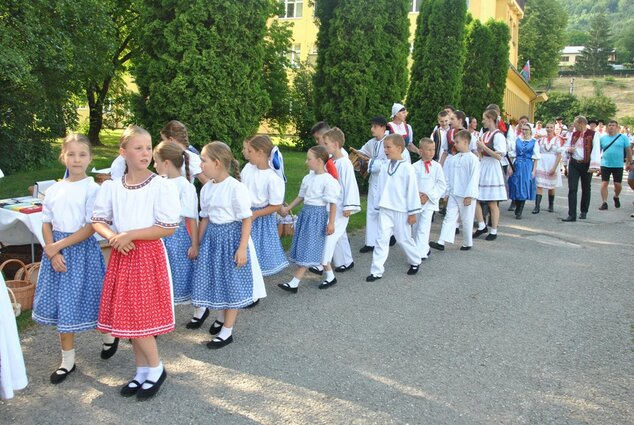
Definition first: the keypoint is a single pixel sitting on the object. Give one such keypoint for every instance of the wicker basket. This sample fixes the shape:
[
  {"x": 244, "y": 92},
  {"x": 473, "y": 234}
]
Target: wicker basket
[
  {"x": 18, "y": 252},
  {"x": 24, "y": 290},
  {"x": 32, "y": 272},
  {"x": 15, "y": 305}
]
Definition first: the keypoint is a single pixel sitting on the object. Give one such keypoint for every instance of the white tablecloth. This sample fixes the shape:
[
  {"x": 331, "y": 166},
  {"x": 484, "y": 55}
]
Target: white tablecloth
[{"x": 20, "y": 229}]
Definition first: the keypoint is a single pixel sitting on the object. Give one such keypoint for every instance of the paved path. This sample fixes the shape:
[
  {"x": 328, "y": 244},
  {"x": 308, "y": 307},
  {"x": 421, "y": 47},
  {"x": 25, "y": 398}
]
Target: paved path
[{"x": 535, "y": 328}]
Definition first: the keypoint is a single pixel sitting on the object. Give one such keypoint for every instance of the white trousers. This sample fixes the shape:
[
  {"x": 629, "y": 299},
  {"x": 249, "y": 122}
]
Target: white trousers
[
  {"x": 332, "y": 241},
  {"x": 393, "y": 223},
  {"x": 421, "y": 232},
  {"x": 455, "y": 207},
  {"x": 343, "y": 253}
]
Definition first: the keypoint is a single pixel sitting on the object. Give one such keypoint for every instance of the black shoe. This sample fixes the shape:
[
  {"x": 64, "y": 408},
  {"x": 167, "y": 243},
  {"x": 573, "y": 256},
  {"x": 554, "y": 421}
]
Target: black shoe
[
  {"x": 413, "y": 270},
  {"x": 219, "y": 342},
  {"x": 366, "y": 248},
  {"x": 465, "y": 248},
  {"x": 57, "y": 378},
  {"x": 215, "y": 327},
  {"x": 108, "y": 352},
  {"x": 287, "y": 288},
  {"x": 437, "y": 246},
  {"x": 372, "y": 278},
  {"x": 551, "y": 208},
  {"x": 536, "y": 210},
  {"x": 568, "y": 219},
  {"x": 491, "y": 237},
  {"x": 325, "y": 284},
  {"x": 617, "y": 202},
  {"x": 583, "y": 215},
  {"x": 428, "y": 254},
  {"x": 316, "y": 270},
  {"x": 392, "y": 240},
  {"x": 128, "y": 391},
  {"x": 457, "y": 231},
  {"x": 603, "y": 207},
  {"x": 342, "y": 269},
  {"x": 145, "y": 393},
  {"x": 511, "y": 207},
  {"x": 443, "y": 211},
  {"x": 197, "y": 322},
  {"x": 253, "y": 304},
  {"x": 479, "y": 233}
]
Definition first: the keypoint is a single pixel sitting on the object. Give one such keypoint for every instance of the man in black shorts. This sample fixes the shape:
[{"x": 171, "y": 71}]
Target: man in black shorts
[{"x": 615, "y": 148}]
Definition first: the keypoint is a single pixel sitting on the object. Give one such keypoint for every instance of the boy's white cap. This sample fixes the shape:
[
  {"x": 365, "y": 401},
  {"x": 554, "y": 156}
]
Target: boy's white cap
[{"x": 396, "y": 108}]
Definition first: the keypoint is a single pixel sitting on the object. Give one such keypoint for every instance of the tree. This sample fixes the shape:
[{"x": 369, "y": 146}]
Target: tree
[
  {"x": 501, "y": 35},
  {"x": 363, "y": 68},
  {"x": 303, "y": 104},
  {"x": 597, "y": 107},
  {"x": 437, "y": 70},
  {"x": 594, "y": 57},
  {"x": 475, "y": 77},
  {"x": 276, "y": 44},
  {"x": 626, "y": 43},
  {"x": 542, "y": 37},
  {"x": 558, "y": 104},
  {"x": 201, "y": 62},
  {"x": 576, "y": 37}
]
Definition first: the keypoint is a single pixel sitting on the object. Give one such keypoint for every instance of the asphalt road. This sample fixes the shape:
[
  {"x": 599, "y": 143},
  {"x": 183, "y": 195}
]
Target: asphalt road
[{"x": 534, "y": 328}]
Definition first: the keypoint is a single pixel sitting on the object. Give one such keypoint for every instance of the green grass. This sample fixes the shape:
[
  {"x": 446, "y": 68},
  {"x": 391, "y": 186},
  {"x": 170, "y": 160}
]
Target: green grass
[{"x": 24, "y": 320}]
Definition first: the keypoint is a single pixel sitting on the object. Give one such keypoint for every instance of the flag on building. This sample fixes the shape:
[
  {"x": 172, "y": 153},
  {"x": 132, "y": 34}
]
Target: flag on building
[{"x": 526, "y": 71}]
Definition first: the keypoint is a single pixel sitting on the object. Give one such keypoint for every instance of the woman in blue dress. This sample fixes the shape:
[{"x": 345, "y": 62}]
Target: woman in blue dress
[{"x": 522, "y": 171}]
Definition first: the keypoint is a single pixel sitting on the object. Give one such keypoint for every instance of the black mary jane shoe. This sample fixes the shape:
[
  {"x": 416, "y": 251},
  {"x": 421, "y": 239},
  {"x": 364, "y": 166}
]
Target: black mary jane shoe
[
  {"x": 106, "y": 353},
  {"x": 128, "y": 391},
  {"x": 57, "y": 378},
  {"x": 479, "y": 233},
  {"x": 413, "y": 270},
  {"x": 491, "y": 237},
  {"x": 372, "y": 278},
  {"x": 392, "y": 240},
  {"x": 465, "y": 248},
  {"x": 316, "y": 270},
  {"x": 253, "y": 304},
  {"x": 326, "y": 284},
  {"x": 197, "y": 322},
  {"x": 342, "y": 269},
  {"x": 287, "y": 288},
  {"x": 437, "y": 246},
  {"x": 366, "y": 248},
  {"x": 146, "y": 393},
  {"x": 219, "y": 342},
  {"x": 215, "y": 327}
]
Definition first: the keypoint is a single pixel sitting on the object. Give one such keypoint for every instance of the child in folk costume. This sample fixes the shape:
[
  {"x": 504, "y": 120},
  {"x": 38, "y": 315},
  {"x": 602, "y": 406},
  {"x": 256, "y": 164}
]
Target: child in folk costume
[
  {"x": 319, "y": 192},
  {"x": 71, "y": 273},
  {"x": 227, "y": 266},
  {"x": 134, "y": 213},
  {"x": 439, "y": 135},
  {"x": 399, "y": 205},
  {"x": 462, "y": 174},
  {"x": 399, "y": 126},
  {"x": 431, "y": 188},
  {"x": 491, "y": 189},
  {"x": 182, "y": 246},
  {"x": 348, "y": 201},
  {"x": 548, "y": 175},
  {"x": 265, "y": 180},
  {"x": 175, "y": 131},
  {"x": 374, "y": 152},
  {"x": 457, "y": 120}
]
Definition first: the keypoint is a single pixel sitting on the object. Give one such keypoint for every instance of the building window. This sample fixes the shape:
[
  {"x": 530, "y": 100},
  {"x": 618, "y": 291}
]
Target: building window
[
  {"x": 294, "y": 55},
  {"x": 564, "y": 59},
  {"x": 293, "y": 8},
  {"x": 415, "y": 6},
  {"x": 312, "y": 56}
]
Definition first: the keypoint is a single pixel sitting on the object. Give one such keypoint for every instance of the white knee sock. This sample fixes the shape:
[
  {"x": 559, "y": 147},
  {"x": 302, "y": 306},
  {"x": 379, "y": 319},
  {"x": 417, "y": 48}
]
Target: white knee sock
[
  {"x": 154, "y": 373},
  {"x": 68, "y": 360}
]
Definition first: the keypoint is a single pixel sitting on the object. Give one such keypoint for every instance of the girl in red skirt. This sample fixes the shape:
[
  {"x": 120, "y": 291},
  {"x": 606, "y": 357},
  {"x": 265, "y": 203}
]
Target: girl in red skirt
[{"x": 133, "y": 213}]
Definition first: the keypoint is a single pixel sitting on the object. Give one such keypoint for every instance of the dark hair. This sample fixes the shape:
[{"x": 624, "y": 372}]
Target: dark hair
[
  {"x": 379, "y": 120},
  {"x": 462, "y": 117},
  {"x": 595, "y": 122},
  {"x": 449, "y": 107},
  {"x": 613, "y": 122},
  {"x": 524, "y": 116},
  {"x": 177, "y": 131},
  {"x": 319, "y": 127},
  {"x": 443, "y": 113},
  {"x": 174, "y": 153}
]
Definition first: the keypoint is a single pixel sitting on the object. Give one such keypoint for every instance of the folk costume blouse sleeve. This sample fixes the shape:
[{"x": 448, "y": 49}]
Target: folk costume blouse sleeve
[{"x": 167, "y": 206}]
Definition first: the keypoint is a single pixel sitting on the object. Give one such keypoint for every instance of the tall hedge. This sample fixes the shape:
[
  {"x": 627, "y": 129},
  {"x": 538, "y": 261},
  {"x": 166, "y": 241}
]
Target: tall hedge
[
  {"x": 499, "y": 64},
  {"x": 438, "y": 77},
  {"x": 201, "y": 62},
  {"x": 476, "y": 75},
  {"x": 362, "y": 67}
]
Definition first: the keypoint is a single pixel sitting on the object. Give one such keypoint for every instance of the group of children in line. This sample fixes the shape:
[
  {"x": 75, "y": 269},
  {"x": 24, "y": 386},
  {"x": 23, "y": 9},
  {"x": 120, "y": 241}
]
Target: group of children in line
[{"x": 170, "y": 246}]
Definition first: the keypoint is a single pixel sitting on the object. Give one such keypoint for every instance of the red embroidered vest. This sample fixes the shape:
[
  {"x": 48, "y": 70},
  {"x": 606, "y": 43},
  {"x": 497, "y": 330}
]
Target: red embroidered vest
[{"x": 588, "y": 136}]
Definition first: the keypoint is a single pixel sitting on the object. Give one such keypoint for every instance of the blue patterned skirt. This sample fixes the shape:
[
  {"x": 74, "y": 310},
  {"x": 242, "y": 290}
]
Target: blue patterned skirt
[
  {"x": 268, "y": 246},
  {"x": 181, "y": 267},
  {"x": 218, "y": 284},
  {"x": 310, "y": 236},
  {"x": 70, "y": 300}
]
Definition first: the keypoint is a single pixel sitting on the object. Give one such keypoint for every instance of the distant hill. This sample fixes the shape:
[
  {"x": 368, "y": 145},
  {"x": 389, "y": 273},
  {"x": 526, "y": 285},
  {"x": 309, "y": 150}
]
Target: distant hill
[{"x": 580, "y": 12}]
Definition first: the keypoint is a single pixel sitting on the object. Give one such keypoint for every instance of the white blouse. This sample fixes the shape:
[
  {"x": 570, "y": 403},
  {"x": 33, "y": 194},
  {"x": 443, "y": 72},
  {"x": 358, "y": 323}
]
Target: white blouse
[
  {"x": 68, "y": 205},
  {"x": 117, "y": 169},
  {"x": 153, "y": 202},
  {"x": 265, "y": 186},
  {"x": 194, "y": 165},
  {"x": 319, "y": 189},
  {"x": 225, "y": 202},
  {"x": 188, "y": 197}
]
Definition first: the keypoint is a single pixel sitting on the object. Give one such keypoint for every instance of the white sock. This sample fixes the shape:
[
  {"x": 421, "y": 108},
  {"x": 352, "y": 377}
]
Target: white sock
[
  {"x": 493, "y": 231},
  {"x": 225, "y": 333},
  {"x": 199, "y": 311},
  {"x": 68, "y": 360},
  {"x": 153, "y": 374},
  {"x": 481, "y": 225},
  {"x": 330, "y": 275},
  {"x": 141, "y": 375},
  {"x": 294, "y": 283},
  {"x": 107, "y": 338},
  {"x": 320, "y": 267},
  {"x": 441, "y": 242},
  {"x": 221, "y": 316}
]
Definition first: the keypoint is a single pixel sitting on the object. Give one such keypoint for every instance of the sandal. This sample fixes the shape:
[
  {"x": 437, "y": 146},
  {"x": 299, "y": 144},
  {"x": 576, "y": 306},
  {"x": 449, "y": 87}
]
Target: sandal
[
  {"x": 215, "y": 327},
  {"x": 57, "y": 378},
  {"x": 197, "y": 322},
  {"x": 109, "y": 348}
]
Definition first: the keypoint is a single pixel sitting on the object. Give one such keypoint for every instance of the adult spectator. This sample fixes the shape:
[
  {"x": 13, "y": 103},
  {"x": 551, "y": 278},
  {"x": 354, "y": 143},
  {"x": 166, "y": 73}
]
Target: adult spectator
[{"x": 614, "y": 149}]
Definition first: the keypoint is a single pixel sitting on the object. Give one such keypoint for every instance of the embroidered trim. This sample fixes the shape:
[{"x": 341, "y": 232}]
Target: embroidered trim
[
  {"x": 101, "y": 220},
  {"x": 398, "y": 164},
  {"x": 137, "y": 186},
  {"x": 165, "y": 225}
]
